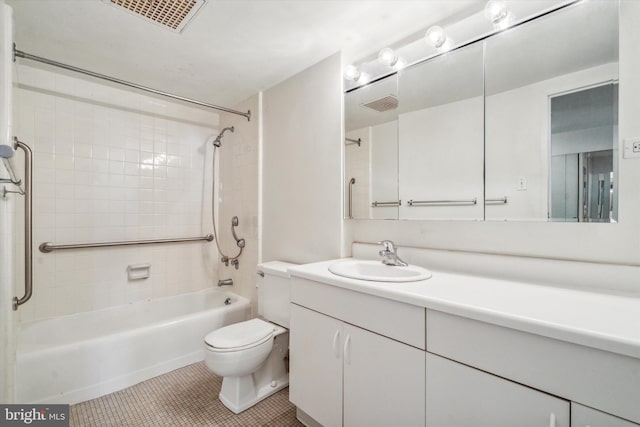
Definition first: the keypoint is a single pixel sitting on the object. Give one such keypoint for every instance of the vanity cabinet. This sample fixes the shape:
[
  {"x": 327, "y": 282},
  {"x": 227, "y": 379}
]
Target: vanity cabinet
[
  {"x": 458, "y": 395},
  {"x": 360, "y": 359},
  {"x": 343, "y": 375}
]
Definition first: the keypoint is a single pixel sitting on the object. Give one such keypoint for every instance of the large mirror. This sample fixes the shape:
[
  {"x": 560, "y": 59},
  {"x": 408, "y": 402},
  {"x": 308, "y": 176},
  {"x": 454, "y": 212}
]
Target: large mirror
[
  {"x": 551, "y": 117},
  {"x": 441, "y": 147},
  {"x": 371, "y": 151},
  {"x": 520, "y": 126}
]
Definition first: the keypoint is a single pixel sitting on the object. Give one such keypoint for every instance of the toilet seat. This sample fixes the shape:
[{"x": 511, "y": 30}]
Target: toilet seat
[{"x": 240, "y": 336}]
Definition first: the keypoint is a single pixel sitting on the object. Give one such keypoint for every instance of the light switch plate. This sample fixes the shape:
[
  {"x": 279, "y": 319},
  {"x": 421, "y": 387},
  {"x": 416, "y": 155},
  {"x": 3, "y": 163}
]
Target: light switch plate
[
  {"x": 631, "y": 148},
  {"x": 521, "y": 185}
]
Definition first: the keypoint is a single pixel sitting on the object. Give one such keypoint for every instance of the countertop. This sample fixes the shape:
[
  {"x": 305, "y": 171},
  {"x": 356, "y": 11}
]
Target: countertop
[{"x": 593, "y": 319}]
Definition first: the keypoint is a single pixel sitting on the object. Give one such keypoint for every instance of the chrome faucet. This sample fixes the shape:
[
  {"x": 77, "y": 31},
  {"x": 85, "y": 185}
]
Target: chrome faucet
[{"x": 389, "y": 255}]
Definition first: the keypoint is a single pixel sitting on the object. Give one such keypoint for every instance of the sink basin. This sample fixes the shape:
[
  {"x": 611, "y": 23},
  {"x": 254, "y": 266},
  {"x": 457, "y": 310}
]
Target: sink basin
[{"x": 376, "y": 271}]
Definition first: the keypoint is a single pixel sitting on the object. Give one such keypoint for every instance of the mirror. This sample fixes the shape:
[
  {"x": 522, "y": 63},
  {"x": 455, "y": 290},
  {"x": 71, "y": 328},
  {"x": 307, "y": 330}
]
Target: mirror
[
  {"x": 520, "y": 126},
  {"x": 551, "y": 117},
  {"x": 371, "y": 151},
  {"x": 441, "y": 147}
]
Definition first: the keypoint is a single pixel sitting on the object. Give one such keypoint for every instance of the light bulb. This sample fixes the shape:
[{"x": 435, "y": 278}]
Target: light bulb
[
  {"x": 352, "y": 73},
  {"x": 400, "y": 64},
  {"x": 496, "y": 11},
  {"x": 435, "y": 36},
  {"x": 387, "y": 57}
]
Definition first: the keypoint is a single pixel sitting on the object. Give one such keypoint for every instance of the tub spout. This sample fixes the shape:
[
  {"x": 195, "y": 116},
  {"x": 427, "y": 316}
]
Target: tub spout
[{"x": 225, "y": 282}]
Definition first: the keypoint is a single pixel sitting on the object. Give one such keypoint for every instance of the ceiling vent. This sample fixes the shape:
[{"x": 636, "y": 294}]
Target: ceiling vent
[
  {"x": 171, "y": 14},
  {"x": 389, "y": 102}
]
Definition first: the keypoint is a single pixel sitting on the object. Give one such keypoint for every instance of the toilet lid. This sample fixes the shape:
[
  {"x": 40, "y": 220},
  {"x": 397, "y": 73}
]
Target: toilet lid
[{"x": 240, "y": 334}]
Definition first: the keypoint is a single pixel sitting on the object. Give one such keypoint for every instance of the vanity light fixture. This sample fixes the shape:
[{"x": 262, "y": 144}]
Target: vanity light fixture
[
  {"x": 436, "y": 37},
  {"x": 351, "y": 72},
  {"x": 498, "y": 13},
  {"x": 387, "y": 57}
]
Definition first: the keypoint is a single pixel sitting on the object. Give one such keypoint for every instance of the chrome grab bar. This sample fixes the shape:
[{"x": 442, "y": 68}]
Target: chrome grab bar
[
  {"x": 351, "y": 182},
  {"x": 50, "y": 247},
  {"x": 28, "y": 221},
  {"x": 496, "y": 201},
  {"x": 473, "y": 201},
  {"x": 377, "y": 204}
]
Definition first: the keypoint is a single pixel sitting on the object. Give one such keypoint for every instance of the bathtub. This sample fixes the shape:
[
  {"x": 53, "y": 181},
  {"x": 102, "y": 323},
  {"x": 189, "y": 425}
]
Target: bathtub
[{"x": 79, "y": 357}]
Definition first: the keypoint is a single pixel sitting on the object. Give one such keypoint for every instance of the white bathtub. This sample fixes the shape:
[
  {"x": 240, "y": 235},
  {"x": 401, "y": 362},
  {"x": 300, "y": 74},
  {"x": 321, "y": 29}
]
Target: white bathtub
[{"x": 79, "y": 357}]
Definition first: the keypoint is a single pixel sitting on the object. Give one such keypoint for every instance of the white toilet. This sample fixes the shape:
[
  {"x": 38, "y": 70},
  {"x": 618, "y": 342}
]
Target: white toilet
[{"x": 251, "y": 356}]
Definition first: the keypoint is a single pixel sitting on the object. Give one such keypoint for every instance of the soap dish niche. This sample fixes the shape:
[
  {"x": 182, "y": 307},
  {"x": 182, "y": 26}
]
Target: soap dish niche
[{"x": 139, "y": 271}]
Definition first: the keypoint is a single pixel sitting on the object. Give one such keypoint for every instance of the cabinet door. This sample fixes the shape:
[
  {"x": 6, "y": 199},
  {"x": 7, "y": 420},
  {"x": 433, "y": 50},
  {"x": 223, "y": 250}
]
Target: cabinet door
[
  {"x": 384, "y": 381},
  {"x": 582, "y": 416},
  {"x": 460, "y": 396},
  {"x": 315, "y": 367}
]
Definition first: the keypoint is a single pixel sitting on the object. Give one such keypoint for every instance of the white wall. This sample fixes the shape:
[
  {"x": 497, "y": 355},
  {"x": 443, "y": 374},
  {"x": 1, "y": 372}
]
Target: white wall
[
  {"x": 615, "y": 243},
  {"x": 109, "y": 165},
  {"x": 7, "y": 215},
  {"x": 302, "y": 165},
  {"x": 441, "y": 152},
  {"x": 238, "y": 162},
  {"x": 384, "y": 169}
]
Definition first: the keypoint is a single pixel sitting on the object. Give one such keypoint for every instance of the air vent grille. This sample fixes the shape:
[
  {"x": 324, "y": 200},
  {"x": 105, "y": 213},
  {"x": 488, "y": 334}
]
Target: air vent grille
[
  {"x": 389, "y": 102},
  {"x": 172, "y": 14}
]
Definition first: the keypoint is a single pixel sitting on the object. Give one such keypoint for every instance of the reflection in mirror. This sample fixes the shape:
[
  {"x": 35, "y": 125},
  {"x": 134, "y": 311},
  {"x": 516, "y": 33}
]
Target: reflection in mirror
[
  {"x": 441, "y": 137},
  {"x": 583, "y": 153},
  {"x": 551, "y": 117},
  {"x": 371, "y": 151}
]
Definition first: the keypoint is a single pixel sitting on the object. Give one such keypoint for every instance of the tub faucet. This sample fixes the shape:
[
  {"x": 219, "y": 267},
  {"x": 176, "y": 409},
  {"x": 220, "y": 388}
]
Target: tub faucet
[
  {"x": 225, "y": 282},
  {"x": 389, "y": 255}
]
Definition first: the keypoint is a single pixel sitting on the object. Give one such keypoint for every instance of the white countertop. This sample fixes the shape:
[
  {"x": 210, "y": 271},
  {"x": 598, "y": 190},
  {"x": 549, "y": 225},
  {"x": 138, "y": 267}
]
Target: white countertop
[{"x": 599, "y": 320}]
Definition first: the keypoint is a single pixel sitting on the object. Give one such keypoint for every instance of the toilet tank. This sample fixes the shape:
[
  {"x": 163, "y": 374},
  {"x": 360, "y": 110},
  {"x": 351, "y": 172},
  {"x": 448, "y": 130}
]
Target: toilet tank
[{"x": 273, "y": 291}]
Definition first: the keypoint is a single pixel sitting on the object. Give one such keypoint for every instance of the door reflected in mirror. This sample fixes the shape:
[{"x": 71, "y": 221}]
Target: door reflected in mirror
[
  {"x": 584, "y": 132},
  {"x": 371, "y": 151}
]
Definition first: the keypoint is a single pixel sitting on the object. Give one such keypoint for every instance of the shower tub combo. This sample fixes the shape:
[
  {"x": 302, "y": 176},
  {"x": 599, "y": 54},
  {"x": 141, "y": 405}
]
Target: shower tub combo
[{"x": 82, "y": 356}]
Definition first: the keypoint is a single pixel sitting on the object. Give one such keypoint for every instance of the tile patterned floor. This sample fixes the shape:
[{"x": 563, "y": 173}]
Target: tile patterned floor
[{"x": 185, "y": 397}]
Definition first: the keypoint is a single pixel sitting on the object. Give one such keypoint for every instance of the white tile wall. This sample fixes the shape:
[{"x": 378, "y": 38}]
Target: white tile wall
[
  {"x": 239, "y": 160},
  {"x": 113, "y": 165}
]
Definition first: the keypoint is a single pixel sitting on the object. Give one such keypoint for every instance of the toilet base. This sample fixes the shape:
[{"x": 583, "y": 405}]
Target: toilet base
[{"x": 240, "y": 393}]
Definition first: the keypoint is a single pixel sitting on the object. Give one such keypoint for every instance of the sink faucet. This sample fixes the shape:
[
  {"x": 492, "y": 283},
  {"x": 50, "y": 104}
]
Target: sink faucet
[{"x": 389, "y": 255}]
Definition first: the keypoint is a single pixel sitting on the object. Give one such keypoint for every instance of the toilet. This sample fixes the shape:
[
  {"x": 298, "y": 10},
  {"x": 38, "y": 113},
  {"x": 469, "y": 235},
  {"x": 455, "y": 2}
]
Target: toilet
[{"x": 251, "y": 356}]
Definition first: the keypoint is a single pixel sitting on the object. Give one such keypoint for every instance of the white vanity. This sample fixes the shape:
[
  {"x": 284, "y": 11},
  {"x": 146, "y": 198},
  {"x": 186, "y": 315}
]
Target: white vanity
[{"x": 464, "y": 349}]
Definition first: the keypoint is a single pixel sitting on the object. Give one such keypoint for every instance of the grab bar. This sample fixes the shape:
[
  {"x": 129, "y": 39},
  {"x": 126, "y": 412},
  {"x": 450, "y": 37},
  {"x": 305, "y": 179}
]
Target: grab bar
[
  {"x": 351, "y": 141},
  {"x": 6, "y": 153},
  {"x": 351, "y": 182},
  {"x": 496, "y": 201},
  {"x": 50, "y": 247},
  {"x": 377, "y": 204},
  {"x": 473, "y": 201},
  {"x": 28, "y": 220}
]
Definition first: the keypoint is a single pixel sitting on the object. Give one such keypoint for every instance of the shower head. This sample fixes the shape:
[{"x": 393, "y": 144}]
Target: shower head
[{"x": 217, "y": 141}]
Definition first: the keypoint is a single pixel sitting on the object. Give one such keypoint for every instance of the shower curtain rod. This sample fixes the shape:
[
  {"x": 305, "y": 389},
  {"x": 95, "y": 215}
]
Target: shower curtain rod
[{"x": 19, "y": 54}]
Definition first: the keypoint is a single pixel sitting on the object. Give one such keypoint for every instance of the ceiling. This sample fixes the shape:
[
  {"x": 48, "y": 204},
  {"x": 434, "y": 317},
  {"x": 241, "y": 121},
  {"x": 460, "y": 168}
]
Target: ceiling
[{"x": 231, "y": 49}]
